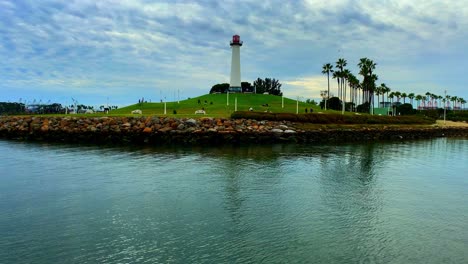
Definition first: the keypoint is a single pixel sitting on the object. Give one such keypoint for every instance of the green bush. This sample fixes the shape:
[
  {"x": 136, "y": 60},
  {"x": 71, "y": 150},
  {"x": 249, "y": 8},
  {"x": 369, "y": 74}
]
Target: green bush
[
  {"x": 332, "y": 118},
  {"x": 457, "y": 116},
  {"x": 434, "y": 114},
  {"x": 363, "y": 108},
  {"x": 405, "y": 109}
]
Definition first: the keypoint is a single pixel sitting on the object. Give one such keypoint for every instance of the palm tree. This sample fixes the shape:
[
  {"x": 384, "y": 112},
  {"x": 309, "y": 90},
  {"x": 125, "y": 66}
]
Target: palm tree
[
  {"x": 337, "y": 76},
  {"x": 411, "y": 97},
  {"x": 462, "y": 102},
  {"x": 340, "y": 64},
  {"x": 386, "y": 89},
  {"x": 391, "y": 96},
  {"x": 440, "y": 99},
  {"x": 367, "y": 67},
  {"x": 454, "y": 101},
  {"x": 418, "y": 100},
  {"x": 353, "y": 86},
  {"x": 346, "y": 75},
  {"x": 398, "y": 96},
  {"x": 404, "y": 95},
  {"x": 378, "y": 92},
  {"x": 327, "y": 69},
  {"x": 434, "y": 101},
  {"x": 428, "y": 96},
  {"x": 447, "y": 99}
]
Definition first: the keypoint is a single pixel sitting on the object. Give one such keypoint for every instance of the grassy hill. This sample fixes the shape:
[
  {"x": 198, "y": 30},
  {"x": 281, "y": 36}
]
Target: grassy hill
[{"x": 215, "y": 105}]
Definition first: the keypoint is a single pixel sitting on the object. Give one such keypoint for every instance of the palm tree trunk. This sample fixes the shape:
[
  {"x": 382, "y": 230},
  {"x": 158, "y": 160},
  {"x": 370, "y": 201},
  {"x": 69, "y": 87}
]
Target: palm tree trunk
[{"x": 328, "y": 92}]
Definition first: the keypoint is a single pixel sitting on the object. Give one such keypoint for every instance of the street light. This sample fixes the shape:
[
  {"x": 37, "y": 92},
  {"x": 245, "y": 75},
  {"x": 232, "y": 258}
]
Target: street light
[{"x": 445, "y": 104}]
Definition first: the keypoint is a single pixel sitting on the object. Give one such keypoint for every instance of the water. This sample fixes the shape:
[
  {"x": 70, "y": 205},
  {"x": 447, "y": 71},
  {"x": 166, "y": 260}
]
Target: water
[{"x": 359, "y": 203}]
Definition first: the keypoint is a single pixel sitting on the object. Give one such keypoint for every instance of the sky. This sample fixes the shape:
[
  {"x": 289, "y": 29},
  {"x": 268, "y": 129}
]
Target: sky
[{"x": 116, "y": 52}]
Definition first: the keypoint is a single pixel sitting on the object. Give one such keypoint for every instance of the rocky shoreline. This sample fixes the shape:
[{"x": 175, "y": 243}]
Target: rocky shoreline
[{"x": 168, "y": 130}]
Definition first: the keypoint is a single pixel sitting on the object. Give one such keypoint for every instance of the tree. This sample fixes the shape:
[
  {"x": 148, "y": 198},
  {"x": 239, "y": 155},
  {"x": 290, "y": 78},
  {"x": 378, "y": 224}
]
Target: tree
[
  {"x": 334, "y": 103},
  {"x": 327, "y": 69},
  {"x": 391, "y": 96},
  {"x": 397, "y": 95},
  {"x": 340, "y": 64},
  {"x": 267, "y": 85},
  {"x": 367, "y": 68},
  {"x": 462, "y": 102},
  {"x": 411, "y": 97},
  {"x": 386, "y": 90},
  {"x": 12, "y": 108},
  {"x": 353, "y": 86},
  {"x": 405, "y": 109},
  {"x": 220, "y": 88},
  {"x": 379, "y": 91},
  {"x": 454, "y": 101},
  {"x": 337, "y": 76},
  {"x": 247, "y": 87},
  {"x": 418, "y": 100},
  {"x": 404, "y": 95}
]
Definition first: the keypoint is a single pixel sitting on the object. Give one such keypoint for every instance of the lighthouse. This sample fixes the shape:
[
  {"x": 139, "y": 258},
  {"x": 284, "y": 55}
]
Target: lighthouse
[{"x": 235, "y": 84}]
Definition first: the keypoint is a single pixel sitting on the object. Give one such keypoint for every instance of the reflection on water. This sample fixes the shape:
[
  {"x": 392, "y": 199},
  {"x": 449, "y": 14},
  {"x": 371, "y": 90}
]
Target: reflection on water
[{"x": 402, "y": 202}]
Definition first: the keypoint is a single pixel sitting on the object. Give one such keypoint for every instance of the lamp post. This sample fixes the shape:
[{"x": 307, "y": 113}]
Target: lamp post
[
  {"x": 297, "y": 104},
  {"x": 445, "y": 104}
]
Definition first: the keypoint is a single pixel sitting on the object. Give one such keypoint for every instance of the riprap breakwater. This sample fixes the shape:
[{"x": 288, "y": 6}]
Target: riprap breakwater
[{"x": 168, "y": 130}]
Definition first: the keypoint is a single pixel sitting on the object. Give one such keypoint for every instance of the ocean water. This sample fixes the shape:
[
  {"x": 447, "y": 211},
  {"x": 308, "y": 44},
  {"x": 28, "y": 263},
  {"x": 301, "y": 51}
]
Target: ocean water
[{"x": 400, "y": 202}]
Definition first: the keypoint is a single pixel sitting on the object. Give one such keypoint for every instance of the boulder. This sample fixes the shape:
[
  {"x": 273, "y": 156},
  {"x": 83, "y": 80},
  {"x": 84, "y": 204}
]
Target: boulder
[{"x": 191, "y": 122}]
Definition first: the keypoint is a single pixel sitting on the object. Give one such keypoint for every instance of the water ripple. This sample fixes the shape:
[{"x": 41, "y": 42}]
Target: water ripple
[{"x": 354, "y": 203}]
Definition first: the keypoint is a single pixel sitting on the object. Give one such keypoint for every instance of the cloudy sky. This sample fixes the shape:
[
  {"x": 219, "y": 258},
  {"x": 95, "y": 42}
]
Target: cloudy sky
[{"x": 122, "y": 50}]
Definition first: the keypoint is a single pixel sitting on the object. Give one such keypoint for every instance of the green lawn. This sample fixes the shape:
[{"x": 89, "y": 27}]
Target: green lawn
[{"x": 215, "y": 105}]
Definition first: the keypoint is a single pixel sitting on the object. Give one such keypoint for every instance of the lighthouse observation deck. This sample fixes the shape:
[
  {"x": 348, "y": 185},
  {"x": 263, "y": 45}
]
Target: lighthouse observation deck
[{"x": 236, "y": 41}]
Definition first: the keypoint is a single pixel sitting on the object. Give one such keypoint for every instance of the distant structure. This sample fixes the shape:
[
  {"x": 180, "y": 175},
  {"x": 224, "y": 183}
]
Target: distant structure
[{"x": 235, "y": 84}]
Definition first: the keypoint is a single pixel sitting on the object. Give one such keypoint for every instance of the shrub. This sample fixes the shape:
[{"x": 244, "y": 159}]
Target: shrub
[
  {"x": 457, "y": 115},
  {"x": 332, "y": 118},
  {"x": 363, "y": 108},
  {"x": 405, "y": 109}
]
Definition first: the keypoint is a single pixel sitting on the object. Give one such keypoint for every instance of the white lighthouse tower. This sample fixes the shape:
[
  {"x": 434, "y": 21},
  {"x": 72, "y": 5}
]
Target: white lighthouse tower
[{"x": 235, "y": 84}]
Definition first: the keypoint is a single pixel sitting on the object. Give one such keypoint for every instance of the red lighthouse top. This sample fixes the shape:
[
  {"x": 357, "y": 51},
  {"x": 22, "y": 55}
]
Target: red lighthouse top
[{"x": 236, "y": 41}]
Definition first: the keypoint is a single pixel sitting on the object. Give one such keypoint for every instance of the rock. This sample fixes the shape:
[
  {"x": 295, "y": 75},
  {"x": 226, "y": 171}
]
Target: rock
[
  {"x": 147, "y": 130},
  {"x": 155, "y": 120},
  {"x": 289, "y": 131},
  {"x": 206, "y": 119},
  {"x": 191, "y": 122},
  {"x": 165, "y": 129},
  {"x": 276, "y": 130}
]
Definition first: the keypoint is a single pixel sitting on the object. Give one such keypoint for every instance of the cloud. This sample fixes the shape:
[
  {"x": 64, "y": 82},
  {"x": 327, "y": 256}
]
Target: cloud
[
  {"x": 184, "y": 45},
  {"x": 307, "y": 87}
]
